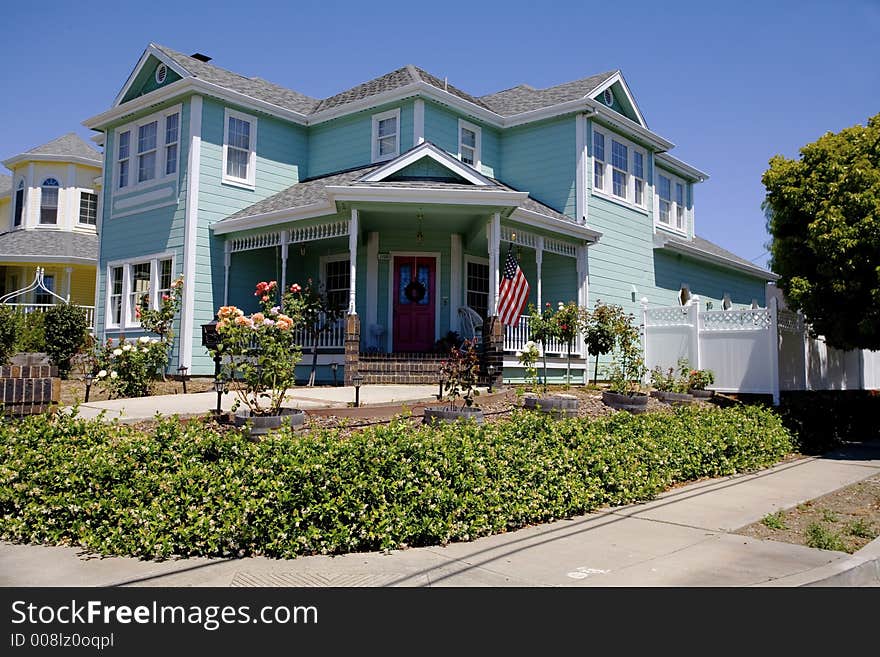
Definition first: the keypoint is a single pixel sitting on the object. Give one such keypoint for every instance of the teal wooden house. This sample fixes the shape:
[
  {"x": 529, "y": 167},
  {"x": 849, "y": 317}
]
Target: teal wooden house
[{"x": 230, "y": 180}]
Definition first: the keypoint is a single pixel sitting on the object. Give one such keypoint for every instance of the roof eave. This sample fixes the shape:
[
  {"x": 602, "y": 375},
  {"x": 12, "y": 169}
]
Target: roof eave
[
  {"x": 274, "y": 217},
  {"x": 568, "y": 228},
  {"x": 427, "y": 195},
  {"x": 682, "y": 167},
  {"x": 51, "y": 157},
  {"x": 718, "y": 259}
]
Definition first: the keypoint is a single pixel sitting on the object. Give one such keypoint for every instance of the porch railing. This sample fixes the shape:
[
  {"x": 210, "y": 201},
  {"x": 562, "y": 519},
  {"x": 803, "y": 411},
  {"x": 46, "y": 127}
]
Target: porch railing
[
  {"x": 43, "y": 307},
  {"x": 517, "y": 335},
  {"x": 331, "y": 339}
]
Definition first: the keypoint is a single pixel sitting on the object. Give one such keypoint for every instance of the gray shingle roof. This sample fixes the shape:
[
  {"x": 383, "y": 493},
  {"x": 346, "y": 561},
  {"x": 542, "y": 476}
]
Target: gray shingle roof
[
  {"x": 309, "y": 192},
  {"x": 39, "y": 243},
  {"x": 254, "y": 87},
  {"x": 710, "y": 248},
  {"x": 5, "y": 185},
  {"x": 524, "y": 98},
  {"x": 70, "y": 144}
]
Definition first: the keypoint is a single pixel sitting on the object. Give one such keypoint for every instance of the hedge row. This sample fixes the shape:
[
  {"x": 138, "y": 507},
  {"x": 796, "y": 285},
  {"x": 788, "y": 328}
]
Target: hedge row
[{"x": 187, "y": 489}]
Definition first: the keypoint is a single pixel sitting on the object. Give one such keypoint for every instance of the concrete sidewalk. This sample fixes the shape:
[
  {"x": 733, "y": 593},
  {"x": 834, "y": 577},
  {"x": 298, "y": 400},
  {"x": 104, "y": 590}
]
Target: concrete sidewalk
[
  {"x": 680, "y": 539},
  {"x": 200, "y": 403}
]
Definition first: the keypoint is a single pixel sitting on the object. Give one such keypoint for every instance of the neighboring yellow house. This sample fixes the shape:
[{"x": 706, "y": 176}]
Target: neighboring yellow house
[{"x": 50, "y": 211}]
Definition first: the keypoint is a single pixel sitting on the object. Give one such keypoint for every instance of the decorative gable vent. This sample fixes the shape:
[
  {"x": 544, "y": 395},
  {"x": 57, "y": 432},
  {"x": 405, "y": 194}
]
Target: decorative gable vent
[
  {"x": 608, "y": 97},
  {"x": 161, "y": 73}
]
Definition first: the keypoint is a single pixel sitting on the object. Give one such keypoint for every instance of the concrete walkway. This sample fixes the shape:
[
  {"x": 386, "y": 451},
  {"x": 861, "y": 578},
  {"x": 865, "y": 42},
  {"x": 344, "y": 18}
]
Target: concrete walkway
[
  {"x": 199, "y": 403},
  {"x": 683, "y": 538}
]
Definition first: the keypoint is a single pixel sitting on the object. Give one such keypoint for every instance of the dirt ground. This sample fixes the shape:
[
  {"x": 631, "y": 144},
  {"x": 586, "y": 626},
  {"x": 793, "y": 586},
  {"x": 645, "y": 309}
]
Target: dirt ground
[
  {"x": 74, "y": 389},
  {"x": 845, "y": 520}
]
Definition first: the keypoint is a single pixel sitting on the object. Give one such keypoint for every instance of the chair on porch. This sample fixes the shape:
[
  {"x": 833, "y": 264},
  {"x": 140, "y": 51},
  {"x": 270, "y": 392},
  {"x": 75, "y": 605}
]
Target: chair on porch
[{"x": 471, "y": 324}]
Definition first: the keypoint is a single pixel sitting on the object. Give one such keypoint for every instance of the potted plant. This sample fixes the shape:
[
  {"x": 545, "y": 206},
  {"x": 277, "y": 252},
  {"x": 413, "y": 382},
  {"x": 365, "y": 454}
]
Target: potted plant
[
  {"x": 559, "y": 405},
  {"x": 459, "y": 371},
  {"x": 627, "y": 368},
  {"x": 567, "y": 319},
  {"x": 698, "y": 382},
  {"x": 542, "y": 329},
  {"x": 671, "y": 385},
  {"x": 260, "y": 359},
  {"x": 598, "y": 331}
]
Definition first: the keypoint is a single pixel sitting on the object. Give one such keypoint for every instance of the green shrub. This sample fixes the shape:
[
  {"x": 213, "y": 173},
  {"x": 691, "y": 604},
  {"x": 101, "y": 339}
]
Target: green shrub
[
  {"x": 8, "y": 333},
  {"x": 861, "y": 528},
  {"x": 822, "y": 538},
  {"x": 30, "y": 333},
  {"x": 775, "y": 520},
  {"x": 190, "y": 489},
  {"x": 65, "y": 331}
]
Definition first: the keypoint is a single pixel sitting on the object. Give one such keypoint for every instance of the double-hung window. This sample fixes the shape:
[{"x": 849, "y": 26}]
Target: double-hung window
[
  {"x": 123, "y": 158},
  {"x": 598, "y": 161},
  {"x": 469, "y": 146},
  {"x": 19, "y": 204},
  {"x": 638, "y": 178},
  {"x": 386, "y": 135},
  {"x": 88, "y": 208},
  {"x": 146, "y": 151},
  {"x": 620, "y": 168},
  {"x": 172, "y": 135},
  {"x": 240, "y": 149},
  {"x": 665, "y": 192},
  {"x": 679, "y": 206},
  {"x": 337, "y": 277},
  {"x": 477, "y": 286},
  {"x": 132, "y": 284},
  {"x": 138, "y": 289},
  {"x": 49, "y": 201},
  {"x": 114, "y": 301}
]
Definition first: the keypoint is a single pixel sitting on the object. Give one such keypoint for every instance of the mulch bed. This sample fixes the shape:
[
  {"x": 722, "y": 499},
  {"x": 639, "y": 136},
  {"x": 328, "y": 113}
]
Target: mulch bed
[{"x": 851, "y": 514}]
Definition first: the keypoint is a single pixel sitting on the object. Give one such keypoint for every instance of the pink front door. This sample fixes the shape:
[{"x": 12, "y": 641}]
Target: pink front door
[{"x": 414, "y": 289}]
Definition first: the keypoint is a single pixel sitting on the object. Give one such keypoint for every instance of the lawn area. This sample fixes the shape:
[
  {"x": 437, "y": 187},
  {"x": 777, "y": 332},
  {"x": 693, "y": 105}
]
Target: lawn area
[{"x": 178, "y": 488}]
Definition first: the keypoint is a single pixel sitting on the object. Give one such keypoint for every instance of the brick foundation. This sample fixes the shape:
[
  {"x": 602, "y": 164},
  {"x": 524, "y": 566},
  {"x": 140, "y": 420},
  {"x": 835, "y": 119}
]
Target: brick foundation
[
  {"x": 29, "y": 389},
  {"x": 400, "y": 368},
  {"x": 493, "y": 351},
  {"x": 352, "y": 348}
]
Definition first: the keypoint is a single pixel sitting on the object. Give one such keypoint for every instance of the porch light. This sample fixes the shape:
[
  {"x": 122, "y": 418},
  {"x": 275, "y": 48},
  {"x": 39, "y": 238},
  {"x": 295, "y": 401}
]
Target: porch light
[
  {"x": 419, "y": 235},
  {"x": 334, "y": 366},
  {"x": 357, "y": 379},
  {"x": 89, "y": 378}
]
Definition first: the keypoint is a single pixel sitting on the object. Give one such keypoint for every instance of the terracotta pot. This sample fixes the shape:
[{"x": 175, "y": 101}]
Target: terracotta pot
[
  {"x": 437, "y": 414},
  {"x": 556, "y": 405},
  {"x": 636, "y": 402},
  {"x": 263, "y": 424}
]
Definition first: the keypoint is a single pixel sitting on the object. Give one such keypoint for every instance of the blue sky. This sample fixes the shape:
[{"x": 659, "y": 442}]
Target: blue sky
[{"x": 730, "y": 85}]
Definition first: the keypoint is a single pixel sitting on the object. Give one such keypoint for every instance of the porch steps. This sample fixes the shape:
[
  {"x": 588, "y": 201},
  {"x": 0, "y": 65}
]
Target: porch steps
[{"x": 403, "y": 368}]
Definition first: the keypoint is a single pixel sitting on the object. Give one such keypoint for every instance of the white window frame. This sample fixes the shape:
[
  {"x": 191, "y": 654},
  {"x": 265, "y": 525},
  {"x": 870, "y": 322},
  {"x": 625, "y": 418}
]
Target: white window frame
[
  {"x": 480, "y": 261},
  {"x": 126, "y": 310},
  {"x": 673, "y": 203},
  {"x": 395, "y": 114},
  {"x": 79, "y": 220},
  {"x": 607, "y": 189},
  {"x": 132, "y": 128},
  {"x": 16, "y": 204},
  {"x": 169, "y": 144},
  {"x": 323, "y": 261},
  {"x": 478, "y": 142},
  {"x": 154, "y": 151},
  {"x": 58, "y": 201},
  {"x": 248, "y": 182}
]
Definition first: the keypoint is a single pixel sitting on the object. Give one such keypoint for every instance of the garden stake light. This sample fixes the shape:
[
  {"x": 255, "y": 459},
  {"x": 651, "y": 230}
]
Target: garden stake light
[
  {"x": 181, "y": 372},
  {"x": 89, "y": 378},
  {"x": 490, "y": 370},
  {"x": 334, "y": 366},
  {"x": 357, "y": 379}
]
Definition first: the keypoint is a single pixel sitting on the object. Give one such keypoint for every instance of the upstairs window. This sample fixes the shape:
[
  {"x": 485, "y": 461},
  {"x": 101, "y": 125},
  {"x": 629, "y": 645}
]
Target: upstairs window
[
  {"x": 469, "y": 137},
  {"x": 598, "y": 161},
  {"x": 665, "y": 191},
  {"x": 19, "y": 204},
  {"x": 638, "y": 178},
  {"x": 147, "y": 151},
  {"x": 620, "y": 168},
  {"x": 386, "y": 135},
  {"x": 172, "y": 135},
  {"x": 123, "y": 158},
  {"x": 49, "y": 201},
  {"x": 679, "y": 206},
  {"x": 240, "y": 149},
  {"x": 88, "y": 208}
]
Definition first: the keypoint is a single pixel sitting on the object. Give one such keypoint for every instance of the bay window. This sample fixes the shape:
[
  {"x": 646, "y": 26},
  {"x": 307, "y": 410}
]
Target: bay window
[
  {"x": 130, "y": 284},
  {"x": 665, "y": 192},
  {"x": 679, "y": 206},
  {"x": 155, "y": 140},
  {"x": 672, "y": 210}
]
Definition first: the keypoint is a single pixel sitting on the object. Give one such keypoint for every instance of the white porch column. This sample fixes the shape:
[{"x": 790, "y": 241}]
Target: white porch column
[
  {"x": 372, "y": 285},
  {"x": 583, "y": 278},
  {"x": 539, "y": 261},
  {"x": 352, "y": 260},
  {"x": 227, "y": 261},
  {"x": 67, "y": 272},
  {"x": 285, "y": 247},
  {"x": 494, "y": 250},
  {"x": 455, "y": 276}
]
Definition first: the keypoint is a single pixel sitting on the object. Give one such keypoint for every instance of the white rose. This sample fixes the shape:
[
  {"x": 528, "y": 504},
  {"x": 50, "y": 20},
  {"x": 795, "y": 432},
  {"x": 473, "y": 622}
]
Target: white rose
[
  {"x": 143, "y": 339},
  {"x": 145, "y": 350},
  {"x": 117, "y": 352},
  {"x": 126, "y": 347},
  {"x": 113, "y": 375},
  {"x": 102, "y": 374}
]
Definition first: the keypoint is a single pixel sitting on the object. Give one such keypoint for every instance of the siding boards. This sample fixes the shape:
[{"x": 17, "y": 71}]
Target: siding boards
[{"x": 441, "y": 129}]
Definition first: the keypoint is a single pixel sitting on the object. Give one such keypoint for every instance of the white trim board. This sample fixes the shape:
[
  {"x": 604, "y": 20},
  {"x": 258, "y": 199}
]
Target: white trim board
[
  {"x": 429, "y": 150},
  {"x": 190, "y": 246}
]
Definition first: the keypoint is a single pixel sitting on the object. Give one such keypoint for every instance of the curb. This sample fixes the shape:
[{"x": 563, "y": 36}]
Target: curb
[{"x": 859, "y": 569}]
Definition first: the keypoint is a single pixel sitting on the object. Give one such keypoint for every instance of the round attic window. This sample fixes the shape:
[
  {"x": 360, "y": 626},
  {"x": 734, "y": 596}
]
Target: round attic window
[
  {"x": 608, "y": 97},
  {"x": 161, "y": 73}
]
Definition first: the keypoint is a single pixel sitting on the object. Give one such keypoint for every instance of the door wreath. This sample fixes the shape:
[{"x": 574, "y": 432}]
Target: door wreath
[{"x": 414, "y": 291}]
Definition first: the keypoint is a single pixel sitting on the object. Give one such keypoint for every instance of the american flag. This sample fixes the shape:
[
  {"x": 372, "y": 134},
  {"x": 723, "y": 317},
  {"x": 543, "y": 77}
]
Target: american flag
[{"x": 514, "y": 291}]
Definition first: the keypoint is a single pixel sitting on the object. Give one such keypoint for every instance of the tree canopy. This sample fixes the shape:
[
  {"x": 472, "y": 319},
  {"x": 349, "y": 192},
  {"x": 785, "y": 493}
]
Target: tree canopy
[{"x": 823, "y": 214}]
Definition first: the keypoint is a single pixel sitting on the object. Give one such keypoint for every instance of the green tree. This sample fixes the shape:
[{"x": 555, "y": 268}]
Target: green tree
[
  {"x": 598, "y": 330},
  {"x": 823, "y": 214}
]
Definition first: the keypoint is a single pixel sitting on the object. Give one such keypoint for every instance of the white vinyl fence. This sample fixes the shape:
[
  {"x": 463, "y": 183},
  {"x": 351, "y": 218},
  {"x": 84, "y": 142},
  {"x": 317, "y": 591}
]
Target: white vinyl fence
[{"x": 759, "y": 350}]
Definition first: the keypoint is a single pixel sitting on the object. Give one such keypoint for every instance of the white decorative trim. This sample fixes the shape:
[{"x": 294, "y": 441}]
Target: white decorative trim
[
  {"x": 191, "y": 224},
  {"x": 275, "y": 217},
  {"x": 158, "y": 54},
  {"x": 426, "y": 195},
  {"x": 254, "y": 242},
  {"x": 683, "y": 168},
  {"x": 427, "y": 149},
  {"x": 250, "y": 181},
  {"x": 38, "y": 157},
  {"x": 137, "y": 199},
  {"x": 567, "y": 228},
  {"x": 418, "y": 121},
  {"x": 478, "y": 142},
  {"x": 323, "y": 231},
  {"x": 374, "y": 142},
  {"x": 710, "y": 257},
  {"x": 618, "y": 77},
  {"x": 143, "y": 208},
  {"x": 582, "y": 124}
]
